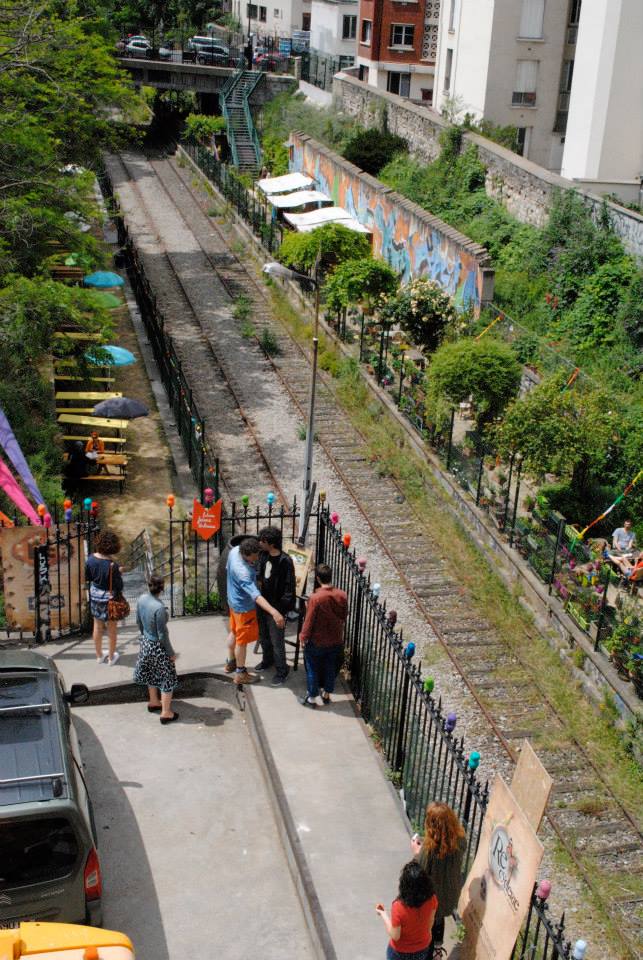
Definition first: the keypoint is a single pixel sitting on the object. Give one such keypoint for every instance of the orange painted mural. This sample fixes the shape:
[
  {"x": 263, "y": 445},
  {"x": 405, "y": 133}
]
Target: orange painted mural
[{"x": 412, "y": 243}]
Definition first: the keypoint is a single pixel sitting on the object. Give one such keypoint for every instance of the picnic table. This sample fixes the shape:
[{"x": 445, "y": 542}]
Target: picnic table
[
  {"x": 97, "y": 395},
  {"x": 78, "y": 335},
  {"x": 94, "y": 423},
  {"x": 69, "y": 379}
]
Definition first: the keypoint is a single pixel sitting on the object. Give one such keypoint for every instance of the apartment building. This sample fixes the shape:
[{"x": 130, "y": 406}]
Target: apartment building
[
  {"x": 512, "y": 62},
  {"x": 333, "y": 29},
  {"x": 604, "y": 136},
  {"x": 397, "y": 45},
  {"x": 277, "y": 18}
]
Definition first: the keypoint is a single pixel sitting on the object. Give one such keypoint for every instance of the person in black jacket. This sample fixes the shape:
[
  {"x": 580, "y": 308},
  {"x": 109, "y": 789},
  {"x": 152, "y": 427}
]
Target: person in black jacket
[{"x": 276, "y": 579}]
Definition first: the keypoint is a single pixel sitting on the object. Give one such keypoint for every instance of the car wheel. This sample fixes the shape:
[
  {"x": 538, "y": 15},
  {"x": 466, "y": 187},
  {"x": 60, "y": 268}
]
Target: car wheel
[{"x": 200, "y": 60}]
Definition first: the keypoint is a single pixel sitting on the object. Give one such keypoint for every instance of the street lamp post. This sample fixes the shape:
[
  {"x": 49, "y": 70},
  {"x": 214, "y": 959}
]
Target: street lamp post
[{"x": 279, "y": 270}]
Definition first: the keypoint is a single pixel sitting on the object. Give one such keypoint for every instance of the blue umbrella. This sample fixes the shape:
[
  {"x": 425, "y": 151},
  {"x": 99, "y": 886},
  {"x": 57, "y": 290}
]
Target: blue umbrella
[
  {"x": 103, "y": 278},
  {"x": 116, "y": 356},
  {"x": 121, "y": 408}
]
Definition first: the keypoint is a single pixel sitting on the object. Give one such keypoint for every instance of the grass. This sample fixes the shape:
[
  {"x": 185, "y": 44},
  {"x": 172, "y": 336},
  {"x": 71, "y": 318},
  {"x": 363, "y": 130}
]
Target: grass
[
  {"x": 247, "y": 330},
  {"x": 269, "y": 343}
]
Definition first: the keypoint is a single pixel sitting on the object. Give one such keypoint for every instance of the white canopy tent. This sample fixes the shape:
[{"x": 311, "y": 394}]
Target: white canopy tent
[
  {"x": 305, "y": 222},
  {"x": 299, "y": 198},
  {"x": 285, "y": 184}
]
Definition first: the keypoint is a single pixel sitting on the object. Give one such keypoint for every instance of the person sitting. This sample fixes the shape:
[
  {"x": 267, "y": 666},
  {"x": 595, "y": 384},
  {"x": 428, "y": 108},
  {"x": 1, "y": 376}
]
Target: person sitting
[
  {"x": 624, "y": 538},
  {"x": 94, "y": 448}
]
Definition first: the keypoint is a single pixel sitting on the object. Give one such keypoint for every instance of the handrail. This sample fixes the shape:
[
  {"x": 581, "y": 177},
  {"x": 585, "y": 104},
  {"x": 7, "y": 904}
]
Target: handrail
[
  {"x": 225, "y": 93},
  {"x": 249, "y": 118}
]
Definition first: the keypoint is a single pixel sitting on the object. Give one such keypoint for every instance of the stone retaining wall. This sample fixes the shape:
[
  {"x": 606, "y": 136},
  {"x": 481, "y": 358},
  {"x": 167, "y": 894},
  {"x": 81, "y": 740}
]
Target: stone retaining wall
[{"x": 524, "y": 188}]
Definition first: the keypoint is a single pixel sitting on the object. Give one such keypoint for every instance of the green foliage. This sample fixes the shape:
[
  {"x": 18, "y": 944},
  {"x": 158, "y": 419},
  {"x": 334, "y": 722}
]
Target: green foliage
[
  {"x": 366, "y": 282},
  {"x": 373, "y": 149},
  {"x": 269, "y": 343},
  {"x": 200, "y": 602},
  {"x": 485, "y": 370},
  {"x": 331, "y": 243},
  {"x": 506, "y": 136},
  {"x": 423, "y": 310},
  {"x": 289, "y": 112},
  {"x": 200, "y": 128},
  {"x": 242, "y": 309}
]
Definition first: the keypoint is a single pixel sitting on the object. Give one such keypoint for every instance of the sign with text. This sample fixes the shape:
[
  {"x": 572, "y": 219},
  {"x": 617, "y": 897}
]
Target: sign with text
[
  {"x": 301, "y": 557},
  {"x": 495, "y": 898},
  {"x": 531, "y": 785},
  {"x": 206, "y": 521}
]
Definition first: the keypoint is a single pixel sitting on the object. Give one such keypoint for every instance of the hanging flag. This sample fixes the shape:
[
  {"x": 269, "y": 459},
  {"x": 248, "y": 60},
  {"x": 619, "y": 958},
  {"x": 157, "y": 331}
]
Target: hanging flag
[
  {"x": 611, "y": 507},
  {"x": 206, "y": 521},
  {"x": 11, "y": 487},
  {"x": 12, "y": 449}
]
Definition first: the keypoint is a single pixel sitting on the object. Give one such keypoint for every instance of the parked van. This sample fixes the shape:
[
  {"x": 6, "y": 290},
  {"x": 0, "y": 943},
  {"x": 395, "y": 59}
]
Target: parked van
[
  {"x": 49, "y": 867},
  {"x": 46, "y": 941}
]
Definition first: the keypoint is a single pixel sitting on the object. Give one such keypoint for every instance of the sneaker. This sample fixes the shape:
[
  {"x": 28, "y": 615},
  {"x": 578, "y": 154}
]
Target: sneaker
[
  {"x": 309, "y": 702},
  {"x": 115, "y": 659},
  {"x": 325, "y": 698},
  {"x": 230, "y": 666},
  {"x": 262, "y": 665},
  {"x": 278, "y": 681},
  {"x": 242, "y": 676},
  {"x": 439, "y": 953},
  {"x": 102, "y": 659}
]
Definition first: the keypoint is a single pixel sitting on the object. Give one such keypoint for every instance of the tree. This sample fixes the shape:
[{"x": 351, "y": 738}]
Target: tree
[
  {"x": 362, "y": 282},
  {"x": 330, "y": 245},
  {"x": 486, "y": 370},
  {"x": 574, "y": 433},
  {"x": 199, "y": 128},
  {"x": 423, "y": 310},
  {"x": 373, "y": 149}
]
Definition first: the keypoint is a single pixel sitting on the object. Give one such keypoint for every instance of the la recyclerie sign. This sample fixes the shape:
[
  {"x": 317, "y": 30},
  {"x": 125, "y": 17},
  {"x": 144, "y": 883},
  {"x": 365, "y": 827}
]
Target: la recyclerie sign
[{"x": 495, "y": 898}]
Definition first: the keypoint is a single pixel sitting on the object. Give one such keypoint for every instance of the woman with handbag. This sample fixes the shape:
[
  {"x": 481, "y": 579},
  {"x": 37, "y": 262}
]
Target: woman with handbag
[
  {"x": 105, "y": 594},
  {"x": 155, "y": 667}
]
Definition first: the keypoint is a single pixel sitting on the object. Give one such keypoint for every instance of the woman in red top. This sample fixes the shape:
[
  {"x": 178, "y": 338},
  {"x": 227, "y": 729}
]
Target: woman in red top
[{"x": 412, "y": 913}]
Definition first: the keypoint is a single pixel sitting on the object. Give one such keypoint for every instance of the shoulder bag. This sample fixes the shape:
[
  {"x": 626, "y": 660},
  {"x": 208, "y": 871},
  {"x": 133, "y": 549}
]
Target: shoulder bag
[{"x": 117, "y": 607}]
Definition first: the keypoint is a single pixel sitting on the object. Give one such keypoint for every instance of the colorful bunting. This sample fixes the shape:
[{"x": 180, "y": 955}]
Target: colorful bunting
[{"x": 610, "y": 508}]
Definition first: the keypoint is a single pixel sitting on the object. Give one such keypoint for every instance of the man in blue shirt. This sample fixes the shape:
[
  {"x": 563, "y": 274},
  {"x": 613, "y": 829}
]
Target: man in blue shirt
[
  {"x": 243, "y": 599},
  {"x": 624, "y": 538}
]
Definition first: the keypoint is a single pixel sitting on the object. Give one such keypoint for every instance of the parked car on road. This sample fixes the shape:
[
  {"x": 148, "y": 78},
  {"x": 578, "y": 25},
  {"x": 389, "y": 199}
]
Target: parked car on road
[
  {"x": 166, "y": 51},
  {"x": 212, "y": 53},
  {"x": 138, "y": 48},
  {"x": 49, "y": 869}
]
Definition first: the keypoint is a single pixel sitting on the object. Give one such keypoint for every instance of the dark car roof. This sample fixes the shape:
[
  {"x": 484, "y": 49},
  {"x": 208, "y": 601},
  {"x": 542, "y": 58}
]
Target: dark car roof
[{"x": 31, "y": 745}]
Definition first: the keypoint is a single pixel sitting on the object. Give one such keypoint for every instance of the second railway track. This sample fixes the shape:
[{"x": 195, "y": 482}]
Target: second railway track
[{"x": 598, "y": 832}]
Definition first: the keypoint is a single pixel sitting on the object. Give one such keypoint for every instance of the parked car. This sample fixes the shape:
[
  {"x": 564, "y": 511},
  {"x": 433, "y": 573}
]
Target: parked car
[
  {"x": 212, "y": 53},
  {"x": 138, "y": 48},
  {"x": 49, "y": 868},
  {"x": 166, "y": 51}
]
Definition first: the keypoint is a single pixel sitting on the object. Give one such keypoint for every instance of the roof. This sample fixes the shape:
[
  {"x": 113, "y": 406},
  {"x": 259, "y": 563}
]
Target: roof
[
  {"x": 298, "y": 199},
  {"x": 304, "y": 222},
  {"x": 290, "y": 181},
  {"x": 31, "y": 748}
]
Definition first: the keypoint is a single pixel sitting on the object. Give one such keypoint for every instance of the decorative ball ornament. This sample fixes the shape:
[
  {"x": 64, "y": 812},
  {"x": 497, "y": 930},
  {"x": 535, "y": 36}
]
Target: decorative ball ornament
[
  {"x": 322, "y": 496},
  {"x": 346, "y": 540},
  {"x": 392, "y": 617},
  {"x": 245, "y": 500},
  {"x": 68, "y": 514},
  {"x": 47, "y": 519},
  {"x": 41, "y": 509},
  {"x": 543, "y": 890},
  {"x": 429, "y": 684},
  {"x": 67, "y": 504},
  {"x": 208, "y": 495},
  {"x": 87, "y": 504},
  {"x": 334, "y": 519},
  {"x": 409, "y": 651},
  {"x": 361, "y": 563},
  {"x": 270, "y": 498},
  {"x": 580, "y": 948},
  {"x": 474, "y": 760},
  {"x": 170, "y": 500},
  {"x": 450, "y": 722},
  {"x": 375, "y": 589}
]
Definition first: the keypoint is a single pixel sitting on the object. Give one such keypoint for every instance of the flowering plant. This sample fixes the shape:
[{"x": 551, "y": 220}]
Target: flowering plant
[{"x": 423, "y": 310}]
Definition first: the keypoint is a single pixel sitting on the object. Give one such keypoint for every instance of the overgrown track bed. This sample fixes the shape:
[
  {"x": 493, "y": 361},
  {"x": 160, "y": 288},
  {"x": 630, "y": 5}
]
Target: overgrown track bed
[{"x": 597, "y": 831}]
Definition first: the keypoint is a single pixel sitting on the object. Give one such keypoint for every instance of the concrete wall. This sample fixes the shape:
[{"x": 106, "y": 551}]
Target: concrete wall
[
  {"x": 410, "y": 239},
  {"x": 524, "y": 188}
]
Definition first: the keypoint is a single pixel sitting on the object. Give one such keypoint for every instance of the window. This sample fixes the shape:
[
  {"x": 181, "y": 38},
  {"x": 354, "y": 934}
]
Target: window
[
  {"x": 305, "y": 21},
  {"x": 574, "y": 13},
  {"x": 251, "y": 11},
  {"x": 566, "y": 76},
  {"x": 447, "y": 70},
  {"x": 262, "y": 14},
  {"x": 349, "y": 28},
  {"x": 402, "y": 34},
  {"x": 37, "y": 851},
  {"x": 363, "y": 72},
  {"x": 367, "y": 28},
  {"x": 399, "y": 83},
  {"x": 531, "y": 21},
  {"x": 276, "y": 13},
  {"x": 452, "y": 17},
  {"x": 427, "y": 94},
  {"x": 521, "y": 137},
  {"x": 524, "y": 93}
]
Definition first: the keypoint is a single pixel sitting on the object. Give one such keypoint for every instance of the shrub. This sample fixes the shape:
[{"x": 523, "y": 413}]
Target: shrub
[
  {"x": 200, "y": 128},
  {"x": 331, "y": 243},
  {"x": 366, "y": 281},
  {"x": 423, "y": 310},
  {"x": 373, "y": 149},
  {"x": 269, "y": 343}
]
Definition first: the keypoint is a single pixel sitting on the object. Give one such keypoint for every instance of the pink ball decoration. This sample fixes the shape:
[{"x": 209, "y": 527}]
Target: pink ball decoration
[
  {"x": 544, "y": 889},
  {"x": 334, "y": 518},
  {"x": 361, "y": 563},
  {"x": 47, "y": 519}
]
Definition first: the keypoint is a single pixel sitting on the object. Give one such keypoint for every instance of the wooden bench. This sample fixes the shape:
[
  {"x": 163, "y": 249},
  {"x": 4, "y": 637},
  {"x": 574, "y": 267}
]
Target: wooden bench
[
  {"x": 118, "y": 478},
  {"x": 60, "y": 410},
  {"x": 116, "y": 440},
  {"x": 68, "y": 379},
  {"x": 66, "y": 274}
]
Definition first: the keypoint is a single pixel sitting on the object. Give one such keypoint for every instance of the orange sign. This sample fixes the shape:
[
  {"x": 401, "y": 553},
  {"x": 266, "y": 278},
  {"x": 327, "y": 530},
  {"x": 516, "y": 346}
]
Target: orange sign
[{"x": 206, "y": 521}]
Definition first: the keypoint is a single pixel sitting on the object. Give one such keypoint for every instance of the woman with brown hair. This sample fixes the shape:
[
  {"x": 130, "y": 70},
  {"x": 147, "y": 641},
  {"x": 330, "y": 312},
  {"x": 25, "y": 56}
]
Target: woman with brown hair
[
  {"x": 155, "y": 667},
  {"x": 441, "y": 852},
  {"x": 105, "y": 582}
]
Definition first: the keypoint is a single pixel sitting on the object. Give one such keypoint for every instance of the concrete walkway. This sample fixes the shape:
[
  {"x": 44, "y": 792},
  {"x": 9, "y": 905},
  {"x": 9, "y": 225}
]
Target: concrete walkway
[{"x": 340, "y": 820}]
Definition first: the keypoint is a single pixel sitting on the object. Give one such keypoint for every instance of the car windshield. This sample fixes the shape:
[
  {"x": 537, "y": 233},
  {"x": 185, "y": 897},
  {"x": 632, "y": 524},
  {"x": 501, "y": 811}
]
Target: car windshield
[{"x": 33, "y": 851}]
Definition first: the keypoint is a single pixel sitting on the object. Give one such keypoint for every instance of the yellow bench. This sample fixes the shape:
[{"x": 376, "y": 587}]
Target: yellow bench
[
  {"x": 67, "y": 378},
  {"x": 118, "y": 478},
  {"x": 86, "y": 395},
  {"x": 104, "y": 439}
]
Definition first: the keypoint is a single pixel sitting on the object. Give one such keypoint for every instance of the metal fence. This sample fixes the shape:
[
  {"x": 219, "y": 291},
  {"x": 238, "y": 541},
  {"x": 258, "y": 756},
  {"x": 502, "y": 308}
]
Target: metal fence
[
  {"x": 320, "y": 68},
  {"x": 190, "y": 425}
]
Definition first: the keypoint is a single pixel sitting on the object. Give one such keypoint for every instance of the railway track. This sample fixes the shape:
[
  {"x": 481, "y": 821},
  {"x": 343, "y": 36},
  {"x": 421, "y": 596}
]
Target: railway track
[{"x": 602, "y": 836}]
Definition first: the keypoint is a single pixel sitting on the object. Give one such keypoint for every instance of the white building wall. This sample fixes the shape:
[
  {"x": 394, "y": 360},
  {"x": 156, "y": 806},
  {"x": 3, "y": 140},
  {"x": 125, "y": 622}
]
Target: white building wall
[
  {"x": 282, "y": 16},
  {"x": 327, "y": 25},
  {"x": 470, "y": 41},
  {"x": 604, "y": 139}
]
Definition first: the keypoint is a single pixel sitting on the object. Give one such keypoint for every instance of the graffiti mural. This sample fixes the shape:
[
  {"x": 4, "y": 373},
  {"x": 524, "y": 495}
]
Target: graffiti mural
[{"x": 412, "y": 241}]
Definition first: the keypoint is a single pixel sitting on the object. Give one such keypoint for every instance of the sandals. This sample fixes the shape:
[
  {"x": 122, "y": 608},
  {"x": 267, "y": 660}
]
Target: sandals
[
  {"x": 154, "y": 709},
  {"x": 169, "y": 719}
]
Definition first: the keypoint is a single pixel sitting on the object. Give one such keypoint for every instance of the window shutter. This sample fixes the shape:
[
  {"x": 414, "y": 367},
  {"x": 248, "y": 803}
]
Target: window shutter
[
  {"x": 526, "y": 76},
  {"x": 531, "y": 21}
]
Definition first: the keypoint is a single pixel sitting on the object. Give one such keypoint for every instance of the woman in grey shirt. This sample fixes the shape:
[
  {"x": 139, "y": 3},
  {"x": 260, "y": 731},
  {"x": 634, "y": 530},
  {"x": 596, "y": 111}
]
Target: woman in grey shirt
[{"x": 155, "y": 667}]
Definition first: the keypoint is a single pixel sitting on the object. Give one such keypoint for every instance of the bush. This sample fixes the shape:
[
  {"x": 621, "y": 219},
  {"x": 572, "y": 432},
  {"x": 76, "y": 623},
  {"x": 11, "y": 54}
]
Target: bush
[
  {"x": 332, "y": 243},
  {"x": 366, "y": 281},
  {"x": 373, "y": 149},
  {"x": 200, "y": 128},
  {"x": 423, "y": 310}
]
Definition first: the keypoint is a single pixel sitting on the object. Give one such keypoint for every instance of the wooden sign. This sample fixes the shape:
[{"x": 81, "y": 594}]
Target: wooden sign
[
  {"x": 496, "y": 896},
  {"x": 206, "y": 521},
  {"x": 67, "y": 597},
  {"x": 301, "y": 557},
  {"x": 531, "y": 785}
]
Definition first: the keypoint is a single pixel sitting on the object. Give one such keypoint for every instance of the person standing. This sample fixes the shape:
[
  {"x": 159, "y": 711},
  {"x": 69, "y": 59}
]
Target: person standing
[
  {"x": 105, "y": 582},
  {"x": 412, "y": 912},
  {"x": 243, "y": 599},
  {"x": 322, "y": 637},
  {"x": 277, "y": 582},
  {"x": 155, "y": 666},
  {"x": 441, "y": 853}
]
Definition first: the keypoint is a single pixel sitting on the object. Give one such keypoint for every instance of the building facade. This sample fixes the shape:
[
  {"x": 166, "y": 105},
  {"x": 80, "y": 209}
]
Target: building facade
[
  {"x": 604, "y": 136},
  {"x": 397, "y": 44},
  {"x": 277, "y": 18},
  {"x": 333, "y": 29},
  {"x": 511, "y": 62}
]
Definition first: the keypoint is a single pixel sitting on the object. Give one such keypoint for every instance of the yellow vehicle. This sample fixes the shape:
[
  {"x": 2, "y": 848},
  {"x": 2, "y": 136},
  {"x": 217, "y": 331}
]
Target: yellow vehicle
[{"x": 63, "y": 941}]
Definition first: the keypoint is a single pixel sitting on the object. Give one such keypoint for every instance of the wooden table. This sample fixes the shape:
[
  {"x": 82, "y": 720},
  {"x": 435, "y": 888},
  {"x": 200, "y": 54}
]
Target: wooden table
[
  {"x": 67, "y": 378},
  {"x": 78, "y": 335},
  {"x": 108, "y": 460},
  {"x": 90, "y": 395},
  {"x": 94, "y": 423},
  {"x": 114, "y": 440}
]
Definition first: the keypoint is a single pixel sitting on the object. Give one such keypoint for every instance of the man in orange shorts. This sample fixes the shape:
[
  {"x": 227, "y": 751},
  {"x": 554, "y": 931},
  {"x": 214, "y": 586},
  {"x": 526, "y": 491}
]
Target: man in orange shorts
[{"x": 243, "y": 599}]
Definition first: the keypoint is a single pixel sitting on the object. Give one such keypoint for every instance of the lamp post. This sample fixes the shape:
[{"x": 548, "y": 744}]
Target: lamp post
[{"x": 279, "y": 270}]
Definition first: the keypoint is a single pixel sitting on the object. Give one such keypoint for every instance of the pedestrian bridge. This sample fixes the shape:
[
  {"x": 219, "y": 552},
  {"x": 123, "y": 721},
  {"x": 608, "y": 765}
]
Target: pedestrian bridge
[{"x": 165, "y": 75}]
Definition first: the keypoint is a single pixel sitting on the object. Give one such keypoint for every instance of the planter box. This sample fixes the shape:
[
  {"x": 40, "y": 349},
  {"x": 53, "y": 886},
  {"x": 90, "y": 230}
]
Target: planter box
[{"x": 577, "y": 616}]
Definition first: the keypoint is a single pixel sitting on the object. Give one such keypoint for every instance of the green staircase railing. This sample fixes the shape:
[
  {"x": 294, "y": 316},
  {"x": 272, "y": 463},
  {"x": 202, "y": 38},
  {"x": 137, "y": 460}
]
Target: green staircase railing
[{"x": 225, "y": 95}]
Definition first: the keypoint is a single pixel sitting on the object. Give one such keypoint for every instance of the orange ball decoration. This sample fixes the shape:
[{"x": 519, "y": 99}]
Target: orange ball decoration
[
  {"x": 67, "y": 504},
  {"x": 170, "y": 500},
  {"x": 41, "y": 509},
  {"x": 346, "y": 540}
]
